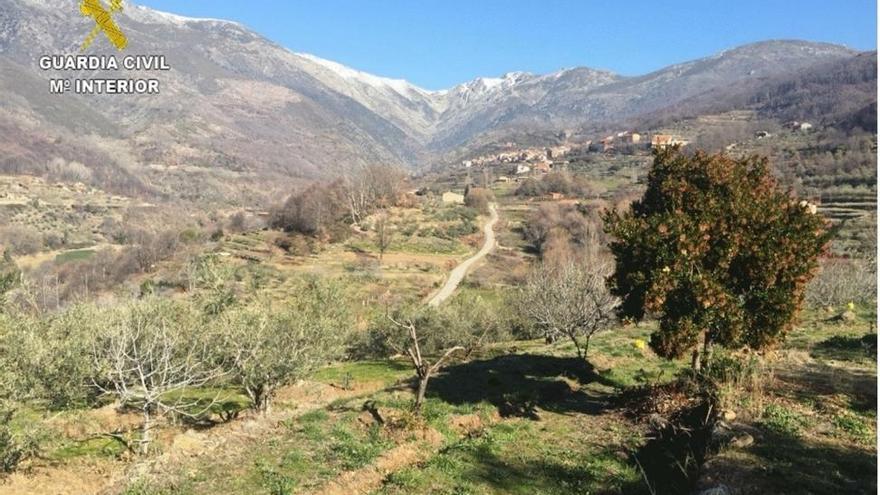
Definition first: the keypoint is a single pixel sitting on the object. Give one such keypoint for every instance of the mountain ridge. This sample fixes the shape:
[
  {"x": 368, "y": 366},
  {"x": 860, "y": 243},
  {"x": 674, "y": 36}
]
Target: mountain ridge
[{"x": 237, "y": 102}]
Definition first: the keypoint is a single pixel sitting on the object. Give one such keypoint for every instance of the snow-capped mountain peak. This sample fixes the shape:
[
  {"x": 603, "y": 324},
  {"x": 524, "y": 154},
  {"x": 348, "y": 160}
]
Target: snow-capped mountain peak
[
  {"x": 150, "y": 16},
  {"x": 399, "y": 85}
]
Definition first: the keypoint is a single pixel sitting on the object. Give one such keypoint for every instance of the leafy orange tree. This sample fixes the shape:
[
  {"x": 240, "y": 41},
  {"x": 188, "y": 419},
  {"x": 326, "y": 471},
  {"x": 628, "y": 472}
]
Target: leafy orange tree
[{"x": 717, "y": 251}]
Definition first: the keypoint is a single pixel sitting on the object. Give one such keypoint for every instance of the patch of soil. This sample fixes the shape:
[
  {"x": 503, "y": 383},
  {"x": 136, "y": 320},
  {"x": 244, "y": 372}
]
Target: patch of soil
[
  {"x": 94, "y": 476},
  {"x": 369, "y": 478}
]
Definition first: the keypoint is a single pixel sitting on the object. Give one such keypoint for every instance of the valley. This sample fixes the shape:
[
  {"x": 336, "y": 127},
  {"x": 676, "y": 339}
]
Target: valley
[{"x": 280, "y": 275}]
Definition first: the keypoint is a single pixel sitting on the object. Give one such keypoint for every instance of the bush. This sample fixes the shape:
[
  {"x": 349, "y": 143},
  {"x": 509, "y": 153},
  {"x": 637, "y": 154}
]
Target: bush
[
  {"x": 48, "y": 359},
  {"x": 715, "y": 249},
  {"x": 21, "y": 240},
  {"x": 557, "y": 227},
  {"x": 478, "y": 198},
  {"x": 293, "y": 244},
  {"x": 14, "y": 447},
  {"x": 555, "y": 182},
  {"x": 313, "y": 211},
  {"x": 783, "y": 420},
  {"x": 55, "y": 284}
]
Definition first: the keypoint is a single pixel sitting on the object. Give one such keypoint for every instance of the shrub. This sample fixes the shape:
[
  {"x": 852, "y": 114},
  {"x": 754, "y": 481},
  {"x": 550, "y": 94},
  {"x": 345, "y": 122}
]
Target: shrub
[
  {"x": 556, "y": 227},
  {"x": 312, "y": 211},
  {"x": 294, "y": 244},
  {"x": 48, "y": 359},
  {"x": 237, "y": 222},
  {"x": 717, "y": 251},
  {"x": 14, "y": 447},
  {"x": 21, "y": 240},
  {"x": 555, "y": 182},
  {"x": 478, "y": 198},
  {"x": 854, "y": 426}
]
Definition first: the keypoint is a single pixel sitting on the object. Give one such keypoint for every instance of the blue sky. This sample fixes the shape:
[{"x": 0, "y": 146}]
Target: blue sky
[{"x": 439, "y": 43}]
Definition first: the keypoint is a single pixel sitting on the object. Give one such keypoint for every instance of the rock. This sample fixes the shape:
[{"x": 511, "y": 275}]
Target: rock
[
  {"x": 742, "y": 441},
  {"x": 716, "y": 490},
  {"x": 728, "y": 415},
  {"x": 721, "y": 434},
  {"x": 721, "y": 431}
]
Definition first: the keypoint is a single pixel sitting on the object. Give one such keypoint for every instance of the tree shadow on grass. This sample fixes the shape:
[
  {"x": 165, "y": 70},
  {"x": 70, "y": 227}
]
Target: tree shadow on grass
[
  {"x": 786, "y": 464},
  {"x": 519, "y": 384},
  {"x": 482, "y": 465},
  {"x": 813, "y": 380},
  {"x": 847, "y": 348}
]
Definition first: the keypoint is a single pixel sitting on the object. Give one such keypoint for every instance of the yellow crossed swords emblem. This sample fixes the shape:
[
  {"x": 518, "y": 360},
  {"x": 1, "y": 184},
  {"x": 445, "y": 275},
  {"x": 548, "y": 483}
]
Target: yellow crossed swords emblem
[{"x": 103, "y": 22}]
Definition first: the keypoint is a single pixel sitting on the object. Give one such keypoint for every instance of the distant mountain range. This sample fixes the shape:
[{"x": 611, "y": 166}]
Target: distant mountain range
[{"x": 238, "y": 106}]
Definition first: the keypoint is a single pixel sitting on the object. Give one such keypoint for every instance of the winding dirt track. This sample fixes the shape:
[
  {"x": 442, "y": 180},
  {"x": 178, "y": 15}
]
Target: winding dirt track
[{"x": 459, "y": 272}]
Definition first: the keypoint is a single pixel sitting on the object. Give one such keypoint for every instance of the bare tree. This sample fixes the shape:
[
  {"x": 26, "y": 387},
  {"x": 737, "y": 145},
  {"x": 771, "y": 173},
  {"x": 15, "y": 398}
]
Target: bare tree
[
  {"x": 357, "y": 198},
  {"x": 148, "y": 355},
  {"x": 569, "y": 299},
  {"x": 384, "y": 234},
  {"x": 371, "y": 187},
  {"x": 412, "y": 347}
]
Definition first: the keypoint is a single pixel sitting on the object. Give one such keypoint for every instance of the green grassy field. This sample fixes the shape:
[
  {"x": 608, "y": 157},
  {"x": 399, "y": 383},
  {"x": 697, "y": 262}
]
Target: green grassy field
[{"x": 71, "y": 256}]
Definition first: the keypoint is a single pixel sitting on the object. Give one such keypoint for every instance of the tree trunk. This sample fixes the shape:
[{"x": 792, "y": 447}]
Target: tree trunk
[
  {"x": 707, "y": 351},
  {"x": 265, "y": 405},
  {"x": 146, "y": 432},
  {"x": 695, "y": 361},
  {"x": 420, "y": 395},
  {"x": 259, "y": 396},
  {"x": 577, "y": 346}
]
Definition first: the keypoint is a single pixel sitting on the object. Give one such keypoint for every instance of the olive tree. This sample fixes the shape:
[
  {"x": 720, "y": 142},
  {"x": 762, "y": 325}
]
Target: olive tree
[
  {"x": 148, "y": 354},
  {"x": 569, "y": 299},
  {"x": 46, "y": 357},
  {"x": 429, "y": 337},
  {"x": 717, "y": 251},
  {"x": 266, "y": 346}
]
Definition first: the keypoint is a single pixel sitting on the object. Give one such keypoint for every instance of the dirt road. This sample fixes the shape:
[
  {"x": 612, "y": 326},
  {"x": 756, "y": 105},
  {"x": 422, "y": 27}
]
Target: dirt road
[{"x": 459, "y": 272}]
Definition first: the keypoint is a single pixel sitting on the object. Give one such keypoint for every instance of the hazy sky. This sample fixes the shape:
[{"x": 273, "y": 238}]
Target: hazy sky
[{"x": 437, "y": 44}]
